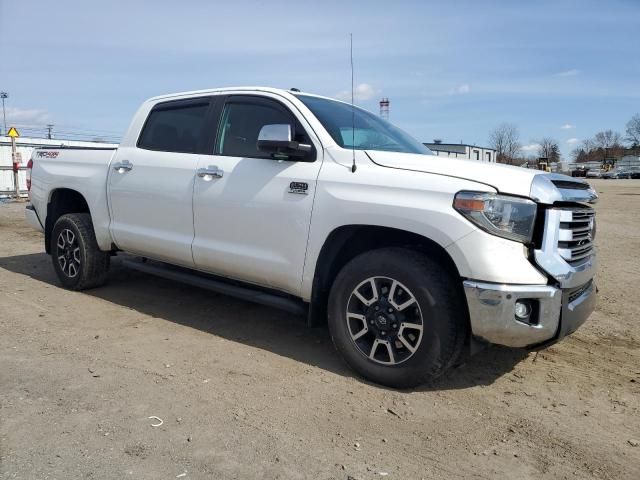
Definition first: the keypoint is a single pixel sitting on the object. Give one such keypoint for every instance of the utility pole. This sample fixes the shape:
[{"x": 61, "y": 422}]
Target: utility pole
[
  {"x": 4, "y": 95},
  {"x": 16, "y": 168},
  {"x": 49, "y": 128}
]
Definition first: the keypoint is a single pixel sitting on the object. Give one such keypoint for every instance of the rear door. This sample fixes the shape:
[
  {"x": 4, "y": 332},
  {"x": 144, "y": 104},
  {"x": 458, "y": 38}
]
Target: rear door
[
  {"x": 252, "y": 217},
  {"x": 150, "y": 184}
]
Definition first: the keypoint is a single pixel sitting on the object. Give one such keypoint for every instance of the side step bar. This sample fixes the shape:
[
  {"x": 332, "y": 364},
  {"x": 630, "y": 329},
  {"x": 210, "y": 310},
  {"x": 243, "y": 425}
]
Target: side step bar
[{"x": 216, "y": 284}]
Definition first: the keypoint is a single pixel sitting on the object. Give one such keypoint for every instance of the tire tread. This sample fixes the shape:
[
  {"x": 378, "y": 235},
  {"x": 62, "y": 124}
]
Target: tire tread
[
  {"x": 441, "y": 282},
  {"x": 95, "y": 271}
]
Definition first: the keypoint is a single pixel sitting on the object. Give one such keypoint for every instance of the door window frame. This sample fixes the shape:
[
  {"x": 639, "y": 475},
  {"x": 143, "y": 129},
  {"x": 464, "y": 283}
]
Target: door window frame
[
  {"x": 217, "y": 112},
  {"x": 204, "y": 140}
]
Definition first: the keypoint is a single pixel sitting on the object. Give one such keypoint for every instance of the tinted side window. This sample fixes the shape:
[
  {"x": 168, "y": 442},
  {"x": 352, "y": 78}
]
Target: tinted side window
[
  {"x": 175, "y": 127},
  {"x": 241, "y": 122}
]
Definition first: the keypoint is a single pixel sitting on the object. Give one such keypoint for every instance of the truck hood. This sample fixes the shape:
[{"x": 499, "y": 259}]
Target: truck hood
[{"x": 541, "y": 186}]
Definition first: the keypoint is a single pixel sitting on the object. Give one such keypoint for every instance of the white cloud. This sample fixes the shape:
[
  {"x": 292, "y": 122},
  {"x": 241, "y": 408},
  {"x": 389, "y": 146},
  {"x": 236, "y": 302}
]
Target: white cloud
[
  {"x": 572, "y": 141},
  {"x": 362, "y": 91},
  {"x": 27, "y": 117},
  {"x": 460, "y": 89},
  {"x": 569, "y": 73},
  {"x": 532, "y": 147},
  {"x": 567, "y": 126}
]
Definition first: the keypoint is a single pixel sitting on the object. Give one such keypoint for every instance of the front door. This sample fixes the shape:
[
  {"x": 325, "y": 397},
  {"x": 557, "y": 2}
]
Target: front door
[{"x": 252, "y": 211}]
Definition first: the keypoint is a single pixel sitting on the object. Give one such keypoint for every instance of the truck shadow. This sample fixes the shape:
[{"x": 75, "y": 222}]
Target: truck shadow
[{"x": 248, "y": 323}]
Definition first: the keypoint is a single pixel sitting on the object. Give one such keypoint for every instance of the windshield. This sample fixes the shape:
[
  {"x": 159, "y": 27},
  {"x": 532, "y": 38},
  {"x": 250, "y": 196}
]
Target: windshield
[{"x": 370, "y": 132}]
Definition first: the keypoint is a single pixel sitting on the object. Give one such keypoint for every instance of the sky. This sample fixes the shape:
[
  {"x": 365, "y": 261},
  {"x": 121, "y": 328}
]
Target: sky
[{"x": 453, "y": 70}]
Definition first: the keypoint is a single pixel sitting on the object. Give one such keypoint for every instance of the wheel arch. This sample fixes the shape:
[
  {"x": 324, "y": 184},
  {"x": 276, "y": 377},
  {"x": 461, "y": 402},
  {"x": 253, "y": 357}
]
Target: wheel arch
[
  {"x": 347, "y": 241},
  {"x": 62, "y": 201}
]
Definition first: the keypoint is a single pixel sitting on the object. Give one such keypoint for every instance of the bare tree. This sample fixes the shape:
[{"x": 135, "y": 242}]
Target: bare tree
[
  {"x": 588, "y": 145},
  {"x": 576, "y": 153},
  {"x": 633, "y": 131},
  {"x": 505, "y": 139},
  {"x": 609, "y": 144},
  {"x": 549, "y": 149},
  {"x": 607, "y": 139}
]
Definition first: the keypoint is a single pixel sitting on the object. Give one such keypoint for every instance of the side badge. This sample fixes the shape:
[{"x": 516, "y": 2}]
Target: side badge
[{"x": 299, "y": 187}]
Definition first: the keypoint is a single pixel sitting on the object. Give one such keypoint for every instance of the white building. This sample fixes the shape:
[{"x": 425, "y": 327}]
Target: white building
[
  {"x": 628, "y": 161},
  {"x": 24, "y": 147},
  {"x": 461, "y": 150}
]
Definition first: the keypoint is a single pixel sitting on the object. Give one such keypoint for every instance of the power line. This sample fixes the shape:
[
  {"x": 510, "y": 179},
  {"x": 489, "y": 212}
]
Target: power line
[
  {"x": 79, "y": 131},
  {"x": 47, "y": 132},
  {"x": 90, "y": 130}
]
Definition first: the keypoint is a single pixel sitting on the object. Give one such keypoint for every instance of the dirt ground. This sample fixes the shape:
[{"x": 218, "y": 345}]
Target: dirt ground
[{"x": 245, "y": 391}]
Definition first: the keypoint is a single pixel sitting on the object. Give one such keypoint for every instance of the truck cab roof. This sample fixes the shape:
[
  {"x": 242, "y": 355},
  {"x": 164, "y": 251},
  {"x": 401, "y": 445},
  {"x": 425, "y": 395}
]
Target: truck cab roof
[{"x": 279, "y": 91}]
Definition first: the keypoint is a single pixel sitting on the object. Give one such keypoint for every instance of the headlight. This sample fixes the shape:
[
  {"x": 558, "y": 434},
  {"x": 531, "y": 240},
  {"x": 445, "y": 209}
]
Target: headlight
[{"x": 502, "y": 215}]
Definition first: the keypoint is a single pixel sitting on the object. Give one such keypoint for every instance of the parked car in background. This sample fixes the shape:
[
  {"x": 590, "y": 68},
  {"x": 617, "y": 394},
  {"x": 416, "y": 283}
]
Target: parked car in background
[
  {"x": 313, "y": 205},
  {"x": 594, "y": 173},
  {"x": 617, "y": 173},
  {"x": 622, "y": 173},
  {"x": 634, "y": 172}
]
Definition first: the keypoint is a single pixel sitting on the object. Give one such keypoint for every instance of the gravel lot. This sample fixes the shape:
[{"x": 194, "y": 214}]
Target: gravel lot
[{"x": 245, "y": 391}]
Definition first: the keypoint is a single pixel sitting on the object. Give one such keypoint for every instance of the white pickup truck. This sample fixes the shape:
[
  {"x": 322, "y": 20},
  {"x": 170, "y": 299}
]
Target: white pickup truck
[{"x": 309, "y": 204}]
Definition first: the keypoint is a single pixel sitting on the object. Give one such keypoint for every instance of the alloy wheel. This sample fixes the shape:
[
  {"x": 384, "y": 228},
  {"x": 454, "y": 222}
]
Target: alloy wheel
[
  {"x": 384, "y": 320},
  {"x": 68, "y": 253}
]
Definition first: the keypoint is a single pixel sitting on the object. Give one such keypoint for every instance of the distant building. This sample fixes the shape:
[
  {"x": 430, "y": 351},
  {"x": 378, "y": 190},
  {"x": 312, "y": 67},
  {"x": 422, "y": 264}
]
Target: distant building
[
  {"x": 24, "y": 147},
  {"x": 628, "y": 161},
  {"x": 461, "y": 150}
]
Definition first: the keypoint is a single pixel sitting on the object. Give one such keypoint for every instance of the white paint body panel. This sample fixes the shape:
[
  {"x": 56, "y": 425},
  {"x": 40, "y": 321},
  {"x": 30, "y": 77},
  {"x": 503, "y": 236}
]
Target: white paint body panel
[
  {"x": 494, "y": 259},
  {"x": 246, "y": 225},
  {"x": 151, "y": 204},
  {"x": 84, "y": 171},
  {"x": 504, "y": 178},
  {"x": 420, "y": 203}
]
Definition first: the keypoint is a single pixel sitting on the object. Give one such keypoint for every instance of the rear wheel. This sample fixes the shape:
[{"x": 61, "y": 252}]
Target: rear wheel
[
  {"x": 396, "y": 317},
  {"x": 77, "y": 260}
]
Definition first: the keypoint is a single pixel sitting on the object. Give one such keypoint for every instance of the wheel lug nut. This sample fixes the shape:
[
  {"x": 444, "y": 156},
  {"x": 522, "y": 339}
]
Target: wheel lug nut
[
  {"x": 370, "y": 322},
  {"x": 376, "y": 307},
  {"x": 390, "y": 310},
  {"x": 395, "y": 325},
  {"x": 383, "y": 333}
]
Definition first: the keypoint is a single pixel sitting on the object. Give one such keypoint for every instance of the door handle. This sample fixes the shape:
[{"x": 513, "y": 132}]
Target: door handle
[
  {"x": 212, "y": 171},
  {"x": 123, "y": 166}
]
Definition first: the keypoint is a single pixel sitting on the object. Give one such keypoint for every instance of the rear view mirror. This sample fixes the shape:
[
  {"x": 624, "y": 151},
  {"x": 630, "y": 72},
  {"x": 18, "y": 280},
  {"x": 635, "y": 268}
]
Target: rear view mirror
[
  {"x": 278, "y": 139},
  {"x": 274, "y": 136}
]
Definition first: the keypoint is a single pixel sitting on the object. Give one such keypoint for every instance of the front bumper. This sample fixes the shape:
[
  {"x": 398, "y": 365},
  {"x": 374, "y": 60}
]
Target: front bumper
[{"x": 558, "y": 312}]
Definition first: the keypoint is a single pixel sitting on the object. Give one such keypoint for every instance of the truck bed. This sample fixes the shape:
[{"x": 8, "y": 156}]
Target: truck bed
[{"x": 82, "y": 169}]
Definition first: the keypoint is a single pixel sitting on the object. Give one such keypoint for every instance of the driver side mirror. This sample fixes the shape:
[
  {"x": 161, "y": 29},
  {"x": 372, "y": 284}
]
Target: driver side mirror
[{"x": 277, "y": 139}]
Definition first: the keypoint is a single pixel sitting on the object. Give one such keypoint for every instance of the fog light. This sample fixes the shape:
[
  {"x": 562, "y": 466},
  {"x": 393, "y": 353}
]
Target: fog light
[{"x": 523, "y": 310}]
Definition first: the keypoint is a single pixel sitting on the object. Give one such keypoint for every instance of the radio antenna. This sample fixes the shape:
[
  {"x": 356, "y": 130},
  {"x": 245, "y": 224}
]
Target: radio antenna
[{"x": 353, "y": 113}]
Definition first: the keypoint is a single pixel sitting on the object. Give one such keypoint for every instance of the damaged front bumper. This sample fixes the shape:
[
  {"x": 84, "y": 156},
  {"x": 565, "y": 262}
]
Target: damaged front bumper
[{"x": 554, "y": 312}]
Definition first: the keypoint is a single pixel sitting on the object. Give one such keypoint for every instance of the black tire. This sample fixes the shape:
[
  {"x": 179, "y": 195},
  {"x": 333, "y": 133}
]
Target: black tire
[
  {"x": 439, "y": 303},
  {"x": 84, "y": 265}
]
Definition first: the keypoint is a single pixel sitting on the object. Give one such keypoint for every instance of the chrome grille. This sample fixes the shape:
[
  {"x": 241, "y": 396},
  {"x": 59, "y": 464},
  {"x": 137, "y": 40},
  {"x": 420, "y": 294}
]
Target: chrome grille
[{"x": 575, "y": 239}]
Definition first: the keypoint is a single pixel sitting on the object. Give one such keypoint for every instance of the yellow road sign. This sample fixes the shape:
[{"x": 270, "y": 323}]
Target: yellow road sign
[{"x": 13, "y": 133}]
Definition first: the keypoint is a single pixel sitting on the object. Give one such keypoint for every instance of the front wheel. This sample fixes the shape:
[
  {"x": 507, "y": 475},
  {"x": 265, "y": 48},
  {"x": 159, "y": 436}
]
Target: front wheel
[
  {"x": 77, "y": 260},
  {"x": 397, "y": 317}
]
